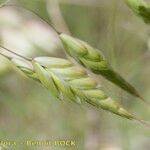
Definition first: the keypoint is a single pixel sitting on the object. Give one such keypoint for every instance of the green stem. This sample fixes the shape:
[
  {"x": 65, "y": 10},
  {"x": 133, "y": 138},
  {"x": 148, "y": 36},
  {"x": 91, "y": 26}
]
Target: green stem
[
  {"x": 26, "y": 58},
  {"x": 5, "y": 56},
  {"x": 29, "y": 10}
]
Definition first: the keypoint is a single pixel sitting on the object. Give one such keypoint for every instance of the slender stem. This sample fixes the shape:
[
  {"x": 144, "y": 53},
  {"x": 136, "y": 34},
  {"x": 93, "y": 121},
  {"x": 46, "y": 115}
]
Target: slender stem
[
  {"x": 26, "y": 58},
  {"x": 146, "y": 123},
  {"x": 5, "y": 56},
  {"x": 27, "y": 9}
]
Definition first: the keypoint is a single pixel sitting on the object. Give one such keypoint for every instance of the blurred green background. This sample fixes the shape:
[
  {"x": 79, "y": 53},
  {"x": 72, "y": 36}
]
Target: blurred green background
[{"x": 29, "y": 112}]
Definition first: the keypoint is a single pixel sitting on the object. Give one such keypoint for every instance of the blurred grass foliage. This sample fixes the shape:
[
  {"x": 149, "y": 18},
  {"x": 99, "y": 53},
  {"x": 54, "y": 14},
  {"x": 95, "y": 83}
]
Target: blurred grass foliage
[{"x": 28, "y": 111}]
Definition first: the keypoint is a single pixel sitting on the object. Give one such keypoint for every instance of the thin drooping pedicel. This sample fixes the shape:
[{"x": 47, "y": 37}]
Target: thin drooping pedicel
[{"x": 95, "y": 61}]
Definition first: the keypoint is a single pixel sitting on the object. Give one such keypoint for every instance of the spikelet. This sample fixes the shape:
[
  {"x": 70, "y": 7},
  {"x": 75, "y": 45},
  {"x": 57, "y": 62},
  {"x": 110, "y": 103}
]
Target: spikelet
[
  {"x": 140, "y": 8},
  {"x": 60, "y": 76},
  {"x": 95, "y": 61}
]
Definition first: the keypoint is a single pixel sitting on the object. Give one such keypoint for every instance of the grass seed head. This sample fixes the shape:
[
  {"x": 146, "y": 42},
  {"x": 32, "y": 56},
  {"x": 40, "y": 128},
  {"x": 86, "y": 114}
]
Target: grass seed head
[
  {"x": 75, "y": 85},
  {"x": 95, "y": 61},
  {"x": 140, "y": 8}
]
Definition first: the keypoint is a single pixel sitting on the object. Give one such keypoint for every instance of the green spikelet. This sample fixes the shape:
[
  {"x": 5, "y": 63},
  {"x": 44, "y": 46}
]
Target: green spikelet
[
  {"x": 73, "y": 83},
  {"x": 79, "y": 85},
  {"x": 140, "y": 8},
  {"x": 94, "y": 60}
]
